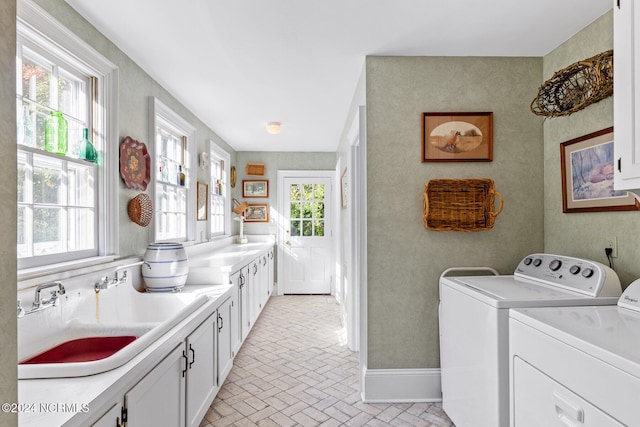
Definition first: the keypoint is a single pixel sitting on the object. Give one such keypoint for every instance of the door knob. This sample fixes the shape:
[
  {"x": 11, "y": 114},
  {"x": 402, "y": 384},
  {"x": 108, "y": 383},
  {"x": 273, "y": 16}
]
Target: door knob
[{"x": 287, "y": 243}]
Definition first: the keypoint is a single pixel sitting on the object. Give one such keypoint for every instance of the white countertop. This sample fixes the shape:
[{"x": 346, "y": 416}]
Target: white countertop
[
  {"x": 225, "y": 260},
  {"x": 81, "y": 400}
]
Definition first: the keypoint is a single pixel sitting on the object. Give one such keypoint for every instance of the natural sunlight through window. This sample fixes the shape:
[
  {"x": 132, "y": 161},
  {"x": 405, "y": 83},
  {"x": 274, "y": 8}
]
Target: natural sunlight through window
[
  {"x": 174, "y": 215},
  {"x": 63, "y": 93},
  {"x": 219, "y": 205}
]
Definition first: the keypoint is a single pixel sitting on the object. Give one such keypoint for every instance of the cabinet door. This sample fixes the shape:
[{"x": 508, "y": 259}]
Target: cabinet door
[
  {"x": 243, "y": 304},
  {"x": 627, "y": 92},
  {"x": 225, "y": 358},
  {"x": 201, "y": 374},
  {"x": 271, "y": 272},
  {"x": 540, "y": 401},
  {"x": 159, "y": 398},
  {"x": 234, "y": 323},
  {"x": 111, "y": 418},
  {"x": 254, "y": 293}
]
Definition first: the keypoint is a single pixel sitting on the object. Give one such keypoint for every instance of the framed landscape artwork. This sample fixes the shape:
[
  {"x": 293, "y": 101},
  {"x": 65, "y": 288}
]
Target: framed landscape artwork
[
  {"x": 255, "y": 188},
  {"x": 587, "y": 175},
  {"x": 457, "y": 137},
  {"x": 257, "y": 213}
]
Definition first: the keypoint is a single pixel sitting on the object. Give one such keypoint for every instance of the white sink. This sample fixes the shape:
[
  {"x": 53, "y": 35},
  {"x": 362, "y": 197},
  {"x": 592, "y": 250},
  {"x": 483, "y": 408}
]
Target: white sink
[{"x": 114, "y": 312}]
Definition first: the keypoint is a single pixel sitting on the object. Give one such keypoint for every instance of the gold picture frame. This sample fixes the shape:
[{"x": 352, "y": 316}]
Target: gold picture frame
[{"x": 202, "y": 203}]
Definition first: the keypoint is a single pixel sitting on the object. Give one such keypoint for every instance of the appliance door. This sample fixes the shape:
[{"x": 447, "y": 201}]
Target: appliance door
[
  {"x": 474, "y": 360},
  {"x": 540, "y": 401}
]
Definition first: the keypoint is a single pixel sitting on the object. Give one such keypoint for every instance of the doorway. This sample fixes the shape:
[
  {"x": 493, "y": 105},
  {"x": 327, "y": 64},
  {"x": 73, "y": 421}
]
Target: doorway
[{"x": 306, "y": 232}]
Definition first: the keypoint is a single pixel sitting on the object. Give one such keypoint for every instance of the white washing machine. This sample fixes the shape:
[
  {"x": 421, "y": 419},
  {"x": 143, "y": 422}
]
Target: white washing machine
[
  {"x": 576, "y": 366},
  {"x": 474, "y": 327}
]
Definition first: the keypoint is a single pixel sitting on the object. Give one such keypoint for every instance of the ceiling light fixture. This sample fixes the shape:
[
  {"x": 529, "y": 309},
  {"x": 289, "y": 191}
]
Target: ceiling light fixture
[{"x": 274, "y": 128}]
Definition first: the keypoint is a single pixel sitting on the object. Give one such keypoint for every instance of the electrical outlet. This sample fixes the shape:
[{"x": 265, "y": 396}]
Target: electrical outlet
[{"x": 612, "y": 242}]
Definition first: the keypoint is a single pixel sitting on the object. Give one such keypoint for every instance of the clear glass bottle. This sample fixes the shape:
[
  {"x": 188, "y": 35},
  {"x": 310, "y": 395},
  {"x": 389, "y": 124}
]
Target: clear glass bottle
[
  {"x": 87, "y": 150},
  {"x": 25, "y": 128}
]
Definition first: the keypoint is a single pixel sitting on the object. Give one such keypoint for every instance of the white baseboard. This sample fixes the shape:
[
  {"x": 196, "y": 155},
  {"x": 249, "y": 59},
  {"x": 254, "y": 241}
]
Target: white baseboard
[{"x": 401, "y": 385}]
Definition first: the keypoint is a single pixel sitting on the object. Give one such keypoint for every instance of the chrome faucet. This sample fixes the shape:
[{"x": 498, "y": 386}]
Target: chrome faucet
[
  {"x": 41, "y": 304},
  {"x": 103, "y": 284}
]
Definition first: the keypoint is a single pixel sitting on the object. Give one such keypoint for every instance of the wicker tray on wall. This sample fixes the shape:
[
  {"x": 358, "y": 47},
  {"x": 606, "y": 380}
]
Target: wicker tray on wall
[{"x": 460, "y": 204}]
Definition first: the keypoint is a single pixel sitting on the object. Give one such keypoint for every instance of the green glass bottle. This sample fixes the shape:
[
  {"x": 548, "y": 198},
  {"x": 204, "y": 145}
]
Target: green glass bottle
[
  {"x": 63, "y": 135},
  {"x": 51, "y": 133},
  {"x": 87, "y": 150}
]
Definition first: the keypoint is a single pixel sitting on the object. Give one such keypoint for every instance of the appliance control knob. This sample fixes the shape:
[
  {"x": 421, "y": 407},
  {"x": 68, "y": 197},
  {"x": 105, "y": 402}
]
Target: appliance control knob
[
  {"x": 587, "y": 272},
  {"x": 574, "y": 269},
  {"x": 555, "y": 265},
  {"x": 537, "y": 262},
  {"x": 527, "y": 261}
]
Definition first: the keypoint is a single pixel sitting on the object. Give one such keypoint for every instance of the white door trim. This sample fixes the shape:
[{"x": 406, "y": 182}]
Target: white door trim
[
  {"x": 280, "y": 235},
  {"x": 360, "y": 221}
]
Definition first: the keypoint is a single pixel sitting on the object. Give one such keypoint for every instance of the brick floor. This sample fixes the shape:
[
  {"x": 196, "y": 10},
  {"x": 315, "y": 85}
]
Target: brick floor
[{"x": 295, "y": 369}]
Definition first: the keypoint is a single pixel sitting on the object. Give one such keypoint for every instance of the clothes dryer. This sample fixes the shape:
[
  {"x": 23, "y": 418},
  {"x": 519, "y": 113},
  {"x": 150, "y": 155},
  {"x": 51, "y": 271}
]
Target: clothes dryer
[{"x": 576, "y": 366}]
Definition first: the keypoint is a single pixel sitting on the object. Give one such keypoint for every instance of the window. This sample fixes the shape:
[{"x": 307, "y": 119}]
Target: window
[
  {"x": 63, "y": 86},
  {"x": 174, "y": 216},
  {"x": 307, "y": 210},
  {"x": 220, "y": 208}
]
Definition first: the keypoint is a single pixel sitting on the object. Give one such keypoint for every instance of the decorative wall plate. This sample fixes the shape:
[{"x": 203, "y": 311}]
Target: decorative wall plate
[{"x": 135, "y": 164}]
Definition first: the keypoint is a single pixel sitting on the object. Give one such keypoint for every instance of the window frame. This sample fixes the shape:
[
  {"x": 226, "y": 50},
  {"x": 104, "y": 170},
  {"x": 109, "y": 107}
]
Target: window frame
[
  {"x": 159, "y": 110},
  {"x": 38, "y": 28},
  {"x": 221, "y": 154}
]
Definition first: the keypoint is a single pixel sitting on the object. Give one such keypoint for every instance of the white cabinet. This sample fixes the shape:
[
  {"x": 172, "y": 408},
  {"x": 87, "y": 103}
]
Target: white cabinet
[
  {"x": 254, "y": 291},
  {"x": 626, "y": 92},
  {"x": 239, "y": 279},
  {"x": 201, "y": 372},
  {"x": 225, "y": 345},
  {"x": 179, "y": 390},
  {"x": 113, "y": 417},
  {"x": 271, "y": 271},
  {"x": 263, "y": 295},
  {"x": 159, "y": 398}
]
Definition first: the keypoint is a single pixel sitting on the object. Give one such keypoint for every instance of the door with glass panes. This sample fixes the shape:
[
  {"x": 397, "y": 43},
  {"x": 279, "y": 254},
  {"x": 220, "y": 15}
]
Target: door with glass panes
[{"x": 307, "y": 249}]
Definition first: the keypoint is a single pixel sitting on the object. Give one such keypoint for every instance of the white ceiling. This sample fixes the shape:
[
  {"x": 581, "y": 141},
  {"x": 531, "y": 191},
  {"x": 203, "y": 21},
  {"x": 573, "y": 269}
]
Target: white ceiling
[{"x": 239, "y": 64}]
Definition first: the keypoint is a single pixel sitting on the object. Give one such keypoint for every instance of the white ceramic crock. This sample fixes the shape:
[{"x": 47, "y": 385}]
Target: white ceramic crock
[{"x": 165, "y": 267}]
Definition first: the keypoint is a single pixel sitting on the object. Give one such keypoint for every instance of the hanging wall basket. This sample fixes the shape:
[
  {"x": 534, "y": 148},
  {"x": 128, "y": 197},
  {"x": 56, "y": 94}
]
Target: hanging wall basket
[
  {"x": 576, "y": 87},
  {"x": 460, "y": 204},
  {"x": 140, "y": 210}
]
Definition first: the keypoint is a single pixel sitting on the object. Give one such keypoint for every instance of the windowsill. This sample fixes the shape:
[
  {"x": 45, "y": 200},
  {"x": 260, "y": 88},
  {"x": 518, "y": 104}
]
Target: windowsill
[{"x": 30, "y": 276}]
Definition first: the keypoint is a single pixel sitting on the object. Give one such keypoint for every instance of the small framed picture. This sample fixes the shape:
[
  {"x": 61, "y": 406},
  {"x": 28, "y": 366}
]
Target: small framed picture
[
  {"x": 344, "y": 188},
  {"x": 457, "y": 137},
  {"x": 202, "y": 207},
  {"x": 587, "y": 175},
  {"x": 255, "y": 188},
  {"x": 257, "y": 213}
]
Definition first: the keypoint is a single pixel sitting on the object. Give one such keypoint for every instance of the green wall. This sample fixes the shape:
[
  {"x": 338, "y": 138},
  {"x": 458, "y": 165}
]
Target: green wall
[
  {"x": 584, "y": 234},
  {"x": 405, "y": 260}
]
